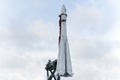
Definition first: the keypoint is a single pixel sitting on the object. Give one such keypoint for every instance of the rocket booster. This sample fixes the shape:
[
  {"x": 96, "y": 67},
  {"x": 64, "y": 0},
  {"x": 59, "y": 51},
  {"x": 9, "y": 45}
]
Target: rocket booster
[{"x": 64, "y": 67}]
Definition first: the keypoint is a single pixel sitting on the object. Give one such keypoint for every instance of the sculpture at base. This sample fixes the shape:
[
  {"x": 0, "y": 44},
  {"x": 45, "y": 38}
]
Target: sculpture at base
[{"x": 51, "y": 68}]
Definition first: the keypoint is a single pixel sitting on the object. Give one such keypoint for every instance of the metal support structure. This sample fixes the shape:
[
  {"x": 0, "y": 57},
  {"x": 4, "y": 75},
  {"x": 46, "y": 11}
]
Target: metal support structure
[{"x": 51, "y": 69}]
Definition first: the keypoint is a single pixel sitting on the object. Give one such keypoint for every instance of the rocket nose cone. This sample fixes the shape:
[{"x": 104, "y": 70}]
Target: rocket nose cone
[{"x": 63, "y": 9}]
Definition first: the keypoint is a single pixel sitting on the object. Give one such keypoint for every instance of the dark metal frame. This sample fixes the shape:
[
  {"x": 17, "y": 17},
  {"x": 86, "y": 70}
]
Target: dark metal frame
[{"x": 51, "y": 69}]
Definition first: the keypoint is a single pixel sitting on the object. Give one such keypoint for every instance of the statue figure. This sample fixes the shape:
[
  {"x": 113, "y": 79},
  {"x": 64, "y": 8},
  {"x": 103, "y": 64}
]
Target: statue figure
[{"x": 51, "y": 69}]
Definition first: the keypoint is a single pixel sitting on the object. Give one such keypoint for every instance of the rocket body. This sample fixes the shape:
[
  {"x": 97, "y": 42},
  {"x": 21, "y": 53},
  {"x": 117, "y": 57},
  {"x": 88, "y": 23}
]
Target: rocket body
[{"x": 64, "y": 67}]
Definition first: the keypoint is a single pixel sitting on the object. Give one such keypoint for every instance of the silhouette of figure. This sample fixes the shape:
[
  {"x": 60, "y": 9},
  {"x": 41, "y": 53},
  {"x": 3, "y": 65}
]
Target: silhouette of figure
[{"x": 51, "y": 68}]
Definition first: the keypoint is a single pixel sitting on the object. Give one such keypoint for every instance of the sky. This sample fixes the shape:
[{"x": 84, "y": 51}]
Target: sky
[{"x": 29, "y": 37}]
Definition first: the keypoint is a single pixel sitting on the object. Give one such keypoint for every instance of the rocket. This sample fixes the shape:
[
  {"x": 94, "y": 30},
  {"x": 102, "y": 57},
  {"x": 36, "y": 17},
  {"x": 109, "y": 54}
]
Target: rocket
[{"x": 64, "y": 67}]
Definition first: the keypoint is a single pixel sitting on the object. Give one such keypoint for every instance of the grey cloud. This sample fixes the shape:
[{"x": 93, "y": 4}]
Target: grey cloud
[
  {"x": 96, "y": 51},
  {"x": 87, "y": 70},
  {"x": 14, "y": 63},
  {"x": 90, "y": 49}
]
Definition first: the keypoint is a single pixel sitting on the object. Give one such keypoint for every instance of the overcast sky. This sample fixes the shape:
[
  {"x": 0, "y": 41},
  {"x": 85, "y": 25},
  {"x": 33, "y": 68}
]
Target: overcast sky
[{"x": 29, "y": 37}]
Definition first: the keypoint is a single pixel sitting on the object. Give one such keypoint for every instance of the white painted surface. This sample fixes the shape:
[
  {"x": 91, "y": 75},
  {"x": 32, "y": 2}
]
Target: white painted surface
[{"x": 64, "y": 59}]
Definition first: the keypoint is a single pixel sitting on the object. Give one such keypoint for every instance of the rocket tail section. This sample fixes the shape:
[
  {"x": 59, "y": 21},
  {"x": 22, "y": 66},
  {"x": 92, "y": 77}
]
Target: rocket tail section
[{"x": 64, "y": 67}]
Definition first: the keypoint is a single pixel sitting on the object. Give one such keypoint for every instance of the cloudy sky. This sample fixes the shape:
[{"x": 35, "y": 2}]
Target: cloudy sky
[{"x": 29, "y": 33}]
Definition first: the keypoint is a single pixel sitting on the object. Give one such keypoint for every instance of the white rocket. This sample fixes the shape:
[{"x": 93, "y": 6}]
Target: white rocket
[{"x": 64, "y": 67}]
